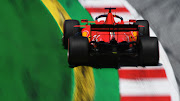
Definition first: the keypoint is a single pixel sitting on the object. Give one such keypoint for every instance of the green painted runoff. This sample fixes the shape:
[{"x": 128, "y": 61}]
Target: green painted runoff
[{"x": 33, "y": 63}]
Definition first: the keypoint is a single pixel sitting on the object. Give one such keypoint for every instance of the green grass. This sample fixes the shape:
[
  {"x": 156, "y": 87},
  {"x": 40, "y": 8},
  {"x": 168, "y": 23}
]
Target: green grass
[{"x": 33, "y": 63}]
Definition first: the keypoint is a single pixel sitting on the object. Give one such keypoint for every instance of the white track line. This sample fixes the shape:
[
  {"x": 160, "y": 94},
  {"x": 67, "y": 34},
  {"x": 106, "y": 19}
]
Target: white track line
[{"x": 141, "y": 87}]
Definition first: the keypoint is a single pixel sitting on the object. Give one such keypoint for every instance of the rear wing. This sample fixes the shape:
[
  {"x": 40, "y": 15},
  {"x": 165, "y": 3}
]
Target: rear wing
[{"x": 114, "y": 28}]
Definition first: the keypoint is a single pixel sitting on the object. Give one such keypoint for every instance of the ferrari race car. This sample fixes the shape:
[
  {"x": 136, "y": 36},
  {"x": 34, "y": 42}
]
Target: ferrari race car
[{"x": 110, "y": 42}]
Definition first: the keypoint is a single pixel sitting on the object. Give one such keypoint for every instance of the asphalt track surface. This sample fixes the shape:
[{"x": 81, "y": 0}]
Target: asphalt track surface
[{"x": 163, "y": 16}]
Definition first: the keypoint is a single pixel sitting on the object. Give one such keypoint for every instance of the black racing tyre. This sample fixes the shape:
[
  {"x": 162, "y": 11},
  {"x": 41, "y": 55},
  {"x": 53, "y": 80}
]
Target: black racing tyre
[
  {"x": 78, "y": 50},
  {"x": 69, "y": 30},
  {"x": 144, "y": 31},
  {"x": 148, "y": 51}
]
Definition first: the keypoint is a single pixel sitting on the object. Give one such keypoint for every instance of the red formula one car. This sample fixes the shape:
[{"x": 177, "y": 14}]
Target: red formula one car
[{"x": 110, "y": 42}]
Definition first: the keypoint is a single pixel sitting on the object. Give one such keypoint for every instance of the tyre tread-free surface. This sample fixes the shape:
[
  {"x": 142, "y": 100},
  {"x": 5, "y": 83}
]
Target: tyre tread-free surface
[
  {"x": 148, "y": 51},
  {"x": 78, "y": 50}
]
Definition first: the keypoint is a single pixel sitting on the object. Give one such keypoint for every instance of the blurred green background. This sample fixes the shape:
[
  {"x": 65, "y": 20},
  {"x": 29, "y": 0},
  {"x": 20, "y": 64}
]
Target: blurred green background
[{"x": 33, "y": 63}]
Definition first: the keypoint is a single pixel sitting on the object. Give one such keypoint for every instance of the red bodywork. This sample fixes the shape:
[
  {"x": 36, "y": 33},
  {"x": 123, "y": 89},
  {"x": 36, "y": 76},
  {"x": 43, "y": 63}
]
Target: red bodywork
[{"x": 106, "y": 36}]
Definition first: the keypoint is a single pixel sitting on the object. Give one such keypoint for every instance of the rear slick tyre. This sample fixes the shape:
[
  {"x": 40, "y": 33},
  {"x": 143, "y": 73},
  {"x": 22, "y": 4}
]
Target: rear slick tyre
[
  {"x": 78, "y": 50},
  {"x": 148, "y": 51}
]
